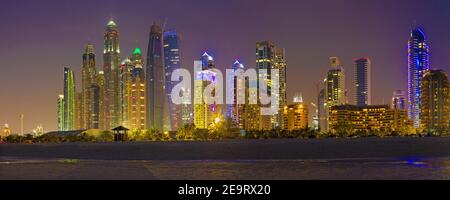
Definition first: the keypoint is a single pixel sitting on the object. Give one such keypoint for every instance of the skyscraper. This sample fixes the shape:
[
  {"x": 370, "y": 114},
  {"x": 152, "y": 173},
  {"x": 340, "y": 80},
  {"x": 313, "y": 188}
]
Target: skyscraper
[
  {"x": 69, "y": 99},
  {"x": 172, "y": 61},
  {"x": 399, "y": 101},
  {"x": 89, "y": 72},
  {"x": 100, "y": 82},
  {"x": 111, "y": 61},
  {"x": 435, "y": 101},
  {"x": 334, "y": 92},
  {"x": 236, "y": 111},
  {"x": 205, "y": 114},
  {"x": 157, "y": 108},
  {"x": 363, "y": 82},
  {"x": 125, "y": 77},
  {"x": 268, "y": 57},
  {"x": 60, "y": 110},
  {"x": 418, "y": 65},
  {"x": 137, "y": 99}
]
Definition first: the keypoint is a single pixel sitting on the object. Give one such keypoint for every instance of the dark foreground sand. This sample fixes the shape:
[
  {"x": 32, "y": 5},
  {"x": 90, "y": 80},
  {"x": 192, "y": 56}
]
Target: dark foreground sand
[{"x": 363, "y": 158}]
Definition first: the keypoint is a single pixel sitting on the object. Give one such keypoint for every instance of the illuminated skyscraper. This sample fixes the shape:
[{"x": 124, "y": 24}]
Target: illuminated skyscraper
[
  {"x": 89, "y": 72},
  {"x": 435, "y": 101},
  {"x": 363, "y": 82},
  {"x": 236, "y": 111},
  {"x": 136, "y": 99},
  {"x": 172, "y": 61},
  {"x": 322, "y": 111},
  {"x": 125, "y": 77},
  {"x": 60, "y": 110},
  {"x": 334, "y": 92},
  {"x": 157, "y": 109},
  {"x": 205, "y": 114},
  {"x": 268, "y": 57},
  {"x": 399, "y": 100},
  {"x": 418, "y": 65},
  {"x": 100, "y": 82},
  {"x": 69, "y": 99},
  {"x": 111, "y": 61},
  {"x": 78, "y": 110}
]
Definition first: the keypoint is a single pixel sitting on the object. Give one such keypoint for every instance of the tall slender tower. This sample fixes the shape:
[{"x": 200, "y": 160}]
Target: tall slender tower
[
  {"x": 205, "y": 114},
  {"x": 100, "y": 82},
  {"x": 236, "y": 111},
  {"x": 435, "y": 98},
  {"x": 268, "y": 57},
  {"x": 418, "y": 65},
  {"x": 156, "y": 97},
  {"x": 111, "y": 61},
  {"x": 363, "y": 82},
  {"x": 69, "y": 99},
  {"x": 334, "y": 92},
  {"x": 60, "y": 113},
  {"x": 172, "y": 61},
  {"x": 136, "y": 99},
  {"x": 125, "y": 77},
  {"x": 89, "y": 72}
]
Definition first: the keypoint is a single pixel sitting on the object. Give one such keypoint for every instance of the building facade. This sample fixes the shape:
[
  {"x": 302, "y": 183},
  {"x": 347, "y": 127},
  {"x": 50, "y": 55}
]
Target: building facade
[
  {"x": 399, "y": 100},
  {"x": 157, "y": 104},
  {"x": 205, "y": 114},
  {"x": 88, "y": 75},
  {"x": 418, "y": 65},
  {"x": 435, "y": 98},
  {"x": 60, "y": 113},
  {"x": 111, "y": 62},
  {"x": 363, "y": 82},
  {"x": 268, "y": 57},
  {"x": 364, "y": 119},
  {"x": 295, "y": 115},
  {"x": 69, "y": 99},
  {"x": 137, "y": 99},
  {"x": 179, "y": 114}
]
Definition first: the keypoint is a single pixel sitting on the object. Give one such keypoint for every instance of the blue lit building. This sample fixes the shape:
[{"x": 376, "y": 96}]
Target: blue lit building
[
  {"x": 418, "y": 65},
  {"x": 179, "y": 114}
]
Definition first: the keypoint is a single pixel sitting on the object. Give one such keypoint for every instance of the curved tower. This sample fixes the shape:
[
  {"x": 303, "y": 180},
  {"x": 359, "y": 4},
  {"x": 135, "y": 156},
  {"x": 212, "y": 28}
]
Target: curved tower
[
  {"x": 156, "y": 98},
  {"x": 418, "y": 65}
]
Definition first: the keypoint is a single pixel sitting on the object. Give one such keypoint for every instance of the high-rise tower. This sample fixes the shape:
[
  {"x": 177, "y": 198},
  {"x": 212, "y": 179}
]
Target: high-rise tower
[
  {"x": 69, "y": 99},
  {"x": 157, "y": 108},
  {"x": 363, "y": 82},
  {"x": 435, "y": 99},
  {"x": 89, "y": 72},
  {"x": 268, "y": 57},
  {"x": 111, "y": 62},
  {"x": 60, "y": 112},
  {"x": 418, "y": 65},
  {"x": 179, "y": 114}
]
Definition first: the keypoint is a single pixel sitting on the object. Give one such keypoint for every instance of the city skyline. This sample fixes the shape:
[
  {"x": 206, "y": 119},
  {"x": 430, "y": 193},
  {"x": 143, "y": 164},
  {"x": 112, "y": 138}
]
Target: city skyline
[{"x": 309, "y": 66}]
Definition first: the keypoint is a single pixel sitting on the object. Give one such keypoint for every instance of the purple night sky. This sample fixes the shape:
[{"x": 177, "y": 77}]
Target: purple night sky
[{"x": 38, "y": 38}]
